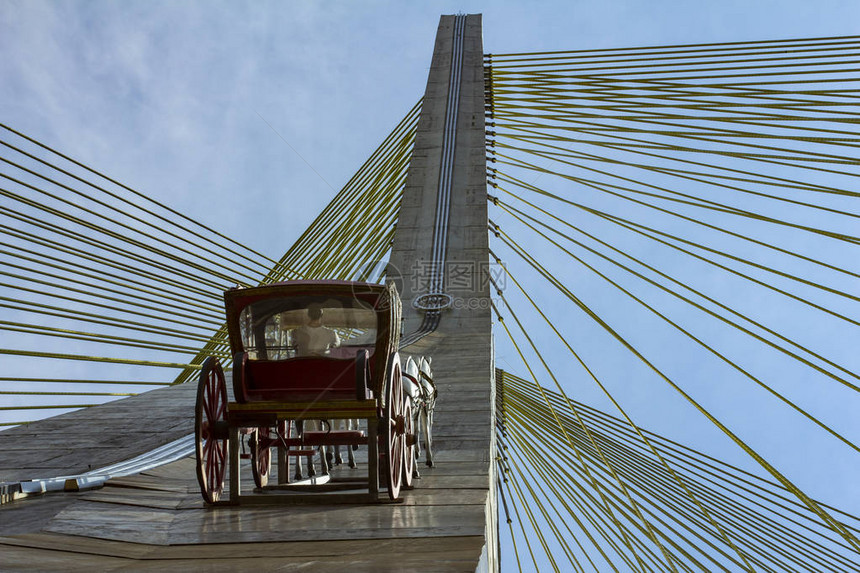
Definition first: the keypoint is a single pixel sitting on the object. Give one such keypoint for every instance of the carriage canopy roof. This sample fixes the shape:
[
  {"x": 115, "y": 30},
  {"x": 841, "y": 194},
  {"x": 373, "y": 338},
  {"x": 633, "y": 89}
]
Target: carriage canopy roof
[{"x": 266, "y": 320}]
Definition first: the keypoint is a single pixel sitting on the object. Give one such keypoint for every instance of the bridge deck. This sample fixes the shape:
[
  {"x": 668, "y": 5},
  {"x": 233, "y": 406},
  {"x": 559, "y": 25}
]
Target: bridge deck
[
  {"x": 158, "y": 518},
  {"x": 97, "y": 437}
]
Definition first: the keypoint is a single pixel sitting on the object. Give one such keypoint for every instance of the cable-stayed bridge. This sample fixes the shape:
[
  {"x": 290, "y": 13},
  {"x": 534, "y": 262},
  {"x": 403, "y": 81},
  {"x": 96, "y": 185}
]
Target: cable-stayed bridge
[{"x": 609, "y": 216}]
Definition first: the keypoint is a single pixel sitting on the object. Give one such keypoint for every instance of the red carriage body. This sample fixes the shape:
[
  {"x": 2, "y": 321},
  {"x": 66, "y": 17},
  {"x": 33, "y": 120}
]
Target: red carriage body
[{"x": 305, "y": 350}]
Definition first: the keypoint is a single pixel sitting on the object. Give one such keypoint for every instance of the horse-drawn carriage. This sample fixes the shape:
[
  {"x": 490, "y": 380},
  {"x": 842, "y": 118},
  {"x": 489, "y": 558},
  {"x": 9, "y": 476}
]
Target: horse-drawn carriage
[{"x": 306, "y": 351}]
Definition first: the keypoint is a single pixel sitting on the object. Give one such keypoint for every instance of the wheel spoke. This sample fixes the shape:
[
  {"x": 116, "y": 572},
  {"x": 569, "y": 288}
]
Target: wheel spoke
[
  {"x": 207, "y": 402},
  {"x": 210, "y": 467},
  {"x": 222, "y": 466}
]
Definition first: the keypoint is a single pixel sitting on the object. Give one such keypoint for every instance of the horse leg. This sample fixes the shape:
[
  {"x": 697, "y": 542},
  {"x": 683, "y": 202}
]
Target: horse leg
[
  {"x": 323, "y": 460},
  {"x": 417, "y": 426},
  {"x": 310, "y": 459},
  {"x": 323, "y": 450},
  {"x": 338, "y": 459},
  {"x": 428, "y": 437},
  {"x": 299, "y": 429},
  {"x": 350, "y": 452}
]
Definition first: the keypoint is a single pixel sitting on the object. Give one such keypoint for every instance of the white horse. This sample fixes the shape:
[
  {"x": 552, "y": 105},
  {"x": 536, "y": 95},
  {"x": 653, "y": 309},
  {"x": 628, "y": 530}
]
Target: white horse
[
  {"x": 333, "y": 452},
  {"x": 418, "y": 385},
  {"x": 329, "y": 455},
  {"x": 428, "y": 397},
  {"x": 310, "y": 426}
]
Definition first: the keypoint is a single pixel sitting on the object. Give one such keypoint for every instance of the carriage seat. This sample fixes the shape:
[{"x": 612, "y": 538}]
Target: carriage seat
[{"x": 305, "y": 379}]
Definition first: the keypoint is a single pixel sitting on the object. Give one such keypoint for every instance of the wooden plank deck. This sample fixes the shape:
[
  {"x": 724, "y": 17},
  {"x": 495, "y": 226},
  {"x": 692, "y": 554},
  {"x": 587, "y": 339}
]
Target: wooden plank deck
[
  {"x": 96, "y": 437},
  {"x": 157, "y": 521}
]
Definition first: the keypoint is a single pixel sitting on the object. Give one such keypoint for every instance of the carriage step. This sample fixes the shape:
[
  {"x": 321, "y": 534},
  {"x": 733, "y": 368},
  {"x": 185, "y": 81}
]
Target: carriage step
[
  {"x": 301, "y": 452},
  {"x": 333, "y": 438}
]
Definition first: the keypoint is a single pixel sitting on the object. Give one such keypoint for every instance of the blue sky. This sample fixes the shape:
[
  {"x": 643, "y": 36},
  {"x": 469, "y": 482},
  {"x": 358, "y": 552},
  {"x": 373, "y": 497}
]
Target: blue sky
[
  {"x": 165, "y": 96},
  {"x": 176, "y": 99}
]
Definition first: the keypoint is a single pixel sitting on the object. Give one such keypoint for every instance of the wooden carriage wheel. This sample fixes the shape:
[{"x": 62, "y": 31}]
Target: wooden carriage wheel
[
  {"x": 210, "y": 430},
  {"x": 409, "y": 448},
  {"x": 261, "y": 456},
  {"x": 394, "y": 435}
]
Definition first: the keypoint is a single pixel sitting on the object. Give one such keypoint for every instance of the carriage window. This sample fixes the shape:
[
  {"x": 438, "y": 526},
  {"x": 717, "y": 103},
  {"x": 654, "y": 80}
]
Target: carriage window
[{"x": 290, "y": 327}]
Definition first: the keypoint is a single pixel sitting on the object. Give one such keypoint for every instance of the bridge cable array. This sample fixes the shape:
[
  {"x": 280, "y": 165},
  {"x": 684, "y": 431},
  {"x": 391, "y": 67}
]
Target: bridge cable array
[
  {"x": 669, "y": 187},
  {"x": 765, "y": 520},
  {"x": 94, "y": 264}
]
